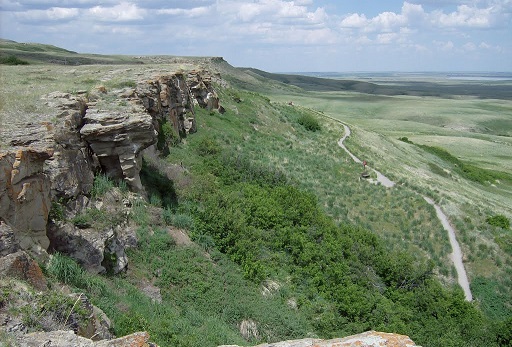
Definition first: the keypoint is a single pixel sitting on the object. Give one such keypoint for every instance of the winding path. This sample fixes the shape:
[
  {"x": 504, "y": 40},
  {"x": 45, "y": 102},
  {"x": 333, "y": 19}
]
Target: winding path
[
  {"x": 386, "y": 182},
  {"x": 456, "y": 255}
]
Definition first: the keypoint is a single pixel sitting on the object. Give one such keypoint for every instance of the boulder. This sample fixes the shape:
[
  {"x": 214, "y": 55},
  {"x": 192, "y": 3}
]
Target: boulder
[
  {"x": 117, "y": 140},
  {"x": 97, "y": 326},
  {"x": 62, "y": 338},
  {"x": 20, "y": 265},
  {"x": 367, "y": 339},
  {"x": 98, "y": 251}
]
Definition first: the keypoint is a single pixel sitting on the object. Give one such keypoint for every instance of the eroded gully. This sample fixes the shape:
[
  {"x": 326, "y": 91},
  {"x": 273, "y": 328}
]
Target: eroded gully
[{"x": 456, "y": 255}]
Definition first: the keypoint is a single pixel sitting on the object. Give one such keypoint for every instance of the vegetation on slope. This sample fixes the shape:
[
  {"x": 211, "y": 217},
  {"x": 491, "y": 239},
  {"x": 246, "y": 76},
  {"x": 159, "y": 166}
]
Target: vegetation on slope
[{"x": 305, "y": 249}]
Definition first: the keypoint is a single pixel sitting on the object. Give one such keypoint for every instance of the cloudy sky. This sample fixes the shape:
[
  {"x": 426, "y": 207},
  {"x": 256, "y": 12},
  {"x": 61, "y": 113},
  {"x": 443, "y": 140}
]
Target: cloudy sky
[{"x": 279, "y": 35}]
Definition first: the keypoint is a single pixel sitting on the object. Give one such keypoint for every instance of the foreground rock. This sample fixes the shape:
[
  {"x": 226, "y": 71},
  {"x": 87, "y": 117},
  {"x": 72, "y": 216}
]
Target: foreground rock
[
  {"x": 61, "y": 338},
  {"x": 367, "y": 339}
]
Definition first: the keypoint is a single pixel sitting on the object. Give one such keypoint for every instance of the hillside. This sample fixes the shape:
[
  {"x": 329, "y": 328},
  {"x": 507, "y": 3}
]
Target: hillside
[{"x": 246, "y": 223}]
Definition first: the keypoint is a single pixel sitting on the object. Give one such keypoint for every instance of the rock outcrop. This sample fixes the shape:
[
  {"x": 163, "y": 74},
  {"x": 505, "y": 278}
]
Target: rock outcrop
[
  {"x": 117, "y": 139},
  {"x": 367, "y": 339},
  {"x": 51, "y": 166},
  {"x": 25, "y": 187},
  {"x": 19, "y": 265},
  {"x": 63, "y": 338},
  {"x": 171, "y": 99}
]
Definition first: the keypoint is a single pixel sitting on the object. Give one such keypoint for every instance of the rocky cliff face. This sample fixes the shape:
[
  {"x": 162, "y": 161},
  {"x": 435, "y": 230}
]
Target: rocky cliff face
[
  {"x": 51, "y": 166},
  {"x": 105, "y": 132},
  {"x": 171, "y": 100}
]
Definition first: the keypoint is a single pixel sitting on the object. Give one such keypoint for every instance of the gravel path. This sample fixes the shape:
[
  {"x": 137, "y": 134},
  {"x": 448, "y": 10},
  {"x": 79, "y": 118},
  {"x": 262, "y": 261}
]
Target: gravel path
[
  {"x": 386, "y": 182},
  {"x": 456, "y": 255}
]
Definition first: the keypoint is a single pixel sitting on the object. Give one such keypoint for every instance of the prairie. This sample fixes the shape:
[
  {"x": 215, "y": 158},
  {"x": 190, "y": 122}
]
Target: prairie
[{"x": 261, "y": 138}]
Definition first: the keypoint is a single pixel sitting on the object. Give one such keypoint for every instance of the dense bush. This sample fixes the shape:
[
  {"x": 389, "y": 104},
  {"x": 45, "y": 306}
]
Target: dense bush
[
  {"x": 309, "y": 122},
  {"x": 347, "y": 280},
  {"x": 467, "y": 170},
  {"x": 208, "y": 146},
  {"x": 499, "y": 221},
  {"x": 12, "y": 60},
  {"x": 405, "y": 139}
]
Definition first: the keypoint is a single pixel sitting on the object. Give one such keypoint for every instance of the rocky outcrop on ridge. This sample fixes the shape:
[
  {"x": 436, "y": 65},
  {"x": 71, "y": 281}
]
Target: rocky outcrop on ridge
[
  {"x": 367, "y": 339},
  {"x": 172, "y": 98},
  {"x": 50, "y": 164}
]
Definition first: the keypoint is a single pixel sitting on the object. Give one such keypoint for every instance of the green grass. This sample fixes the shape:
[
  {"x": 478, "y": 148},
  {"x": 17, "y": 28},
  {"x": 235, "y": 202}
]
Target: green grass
[
  {"x": 238, "y": 161},
  {"x": 12, "y": 60}
]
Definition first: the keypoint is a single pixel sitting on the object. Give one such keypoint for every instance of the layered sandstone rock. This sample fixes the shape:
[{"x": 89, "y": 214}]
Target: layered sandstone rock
[
  {"x": 71, "y": 169},
  {"x": 367, "y": 339},
  {"x": 117, "y": 140},
  {"x": 57, "y": 161},
  {"x": 172, "y": 98},
  {"x": 62, "y": 338},
  {"x": 25, "y": 188}
]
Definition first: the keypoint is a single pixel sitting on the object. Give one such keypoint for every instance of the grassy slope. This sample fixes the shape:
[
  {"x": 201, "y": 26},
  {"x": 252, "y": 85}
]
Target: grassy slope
[
  {"x": 265, "y": 133},
  {"x": 457, "y": 125}
]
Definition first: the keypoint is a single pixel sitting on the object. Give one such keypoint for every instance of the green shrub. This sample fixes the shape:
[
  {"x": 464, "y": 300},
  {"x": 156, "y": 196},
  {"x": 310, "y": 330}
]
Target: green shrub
[
  {"x": 182, "y": 221},
  {"x": 499, "y": 221},
  {"x": 155, "y": 200},
  {"x": 56, "y": 211},
  {"x": 405, "y": 139},
  {"x": 81, "y": 221},
  {"x": 208, "y": 146},
  {"x": 102, "y": 184},
  {"x": 167, "y": 216},
  {"x": 12, "y": 60},
  {"x": 167, "y": 137},
  {"x": 309, "y": 122}
]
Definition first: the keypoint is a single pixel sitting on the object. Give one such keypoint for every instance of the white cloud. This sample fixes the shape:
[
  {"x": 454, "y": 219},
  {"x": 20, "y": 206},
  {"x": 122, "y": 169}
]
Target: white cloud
[
  {"x": 115, "y": 29},
  {"x": 466, "y": 16},
  {"x": 190, "y": 13},
  {"x": 484, "y": 45},
  {"x": 51, "y": 14},
  {"x": 470, "y": 46},
  {"x": 124, "y": 11},
  {"x": 444, "y": 45},
  {"x": 386, "y": 38},
  {"x": 354, "y": 20}
]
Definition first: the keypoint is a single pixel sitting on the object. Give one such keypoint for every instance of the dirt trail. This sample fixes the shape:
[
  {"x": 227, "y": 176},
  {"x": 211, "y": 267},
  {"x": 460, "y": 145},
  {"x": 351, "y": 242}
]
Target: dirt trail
[
  {"x": 457, "y": 253},
  {"x": 386, "y": 182},
  {"x": 456, "y": 256}
]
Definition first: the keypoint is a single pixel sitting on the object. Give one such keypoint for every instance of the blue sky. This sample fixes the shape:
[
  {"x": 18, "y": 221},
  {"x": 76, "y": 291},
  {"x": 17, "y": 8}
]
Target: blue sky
[{"x": 279, "y": 35}]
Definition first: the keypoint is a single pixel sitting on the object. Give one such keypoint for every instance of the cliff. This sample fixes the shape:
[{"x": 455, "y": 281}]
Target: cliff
[
  {"x": 53, "y": 164},
  {"x": 47, "y": 172}
]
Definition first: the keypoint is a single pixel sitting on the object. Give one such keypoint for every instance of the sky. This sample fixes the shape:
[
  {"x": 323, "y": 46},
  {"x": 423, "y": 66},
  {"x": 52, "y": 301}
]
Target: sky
[{"x": 279, "y": 35}]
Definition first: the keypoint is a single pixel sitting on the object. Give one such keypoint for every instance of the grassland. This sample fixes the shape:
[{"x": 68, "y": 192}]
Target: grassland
[
  {"x": 262, "y": 128},
  {"x": 473, "y": 130}
]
